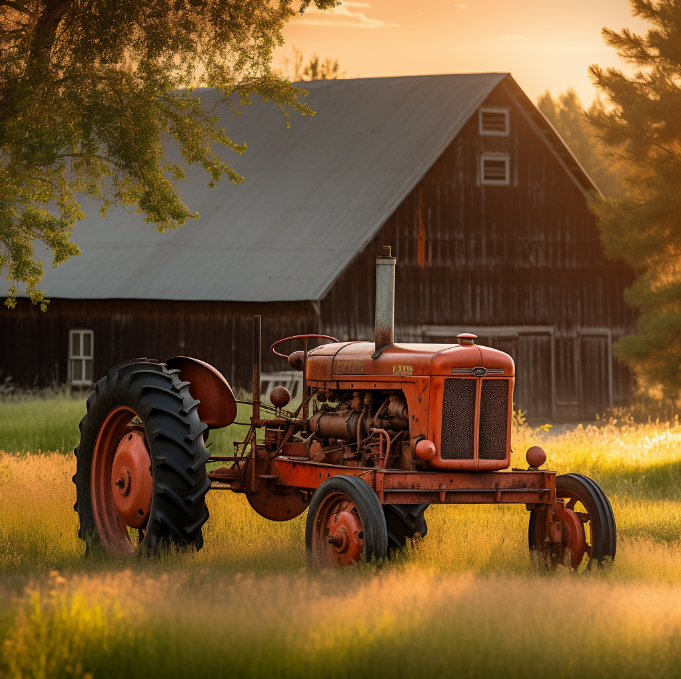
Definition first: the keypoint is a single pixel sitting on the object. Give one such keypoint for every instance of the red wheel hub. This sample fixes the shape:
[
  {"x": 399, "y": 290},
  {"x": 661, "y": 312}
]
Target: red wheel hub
[
  {"x": 131, "y": 480},
  {"x": 573, "y": 537},
  {"x": 121, "y": 482},
  {"x": 338, "y": 538},
  {"x": 345, "y": 536}
]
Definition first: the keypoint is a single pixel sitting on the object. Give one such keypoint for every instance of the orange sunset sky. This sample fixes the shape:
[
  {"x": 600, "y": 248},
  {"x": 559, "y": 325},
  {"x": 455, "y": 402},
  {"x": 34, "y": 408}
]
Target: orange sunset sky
[{"x": 544, "y": 44}]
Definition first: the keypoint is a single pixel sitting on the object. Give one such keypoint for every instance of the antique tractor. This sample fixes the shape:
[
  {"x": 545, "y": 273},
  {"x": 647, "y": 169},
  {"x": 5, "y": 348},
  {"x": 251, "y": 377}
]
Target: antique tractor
[{"x": 383, "y": 431}]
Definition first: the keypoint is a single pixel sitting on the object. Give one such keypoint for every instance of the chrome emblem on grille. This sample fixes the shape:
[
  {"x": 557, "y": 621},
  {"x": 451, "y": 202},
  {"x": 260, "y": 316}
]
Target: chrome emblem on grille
[{"x": 478, "y": 372}]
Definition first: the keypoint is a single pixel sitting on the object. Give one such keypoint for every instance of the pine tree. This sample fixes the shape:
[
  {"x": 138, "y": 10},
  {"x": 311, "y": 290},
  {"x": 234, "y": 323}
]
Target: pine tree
[
  {"x": 642, "y": 129},
  {"x": 567, "y": 115}
]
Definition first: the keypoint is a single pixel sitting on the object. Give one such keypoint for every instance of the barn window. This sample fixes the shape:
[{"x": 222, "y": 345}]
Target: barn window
[
  {"x": 494, "y": 121},
  {"x": 81, "y": 345},
  {"x": 494, "y": 170}
]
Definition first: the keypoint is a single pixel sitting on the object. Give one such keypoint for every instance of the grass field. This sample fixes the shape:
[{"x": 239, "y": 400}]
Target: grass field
[{"x": 464, "y": 601}]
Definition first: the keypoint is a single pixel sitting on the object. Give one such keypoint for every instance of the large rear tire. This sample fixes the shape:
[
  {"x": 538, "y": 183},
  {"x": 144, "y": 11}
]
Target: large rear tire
[
  {"x": 404, "y": 522},
  {"x": 141, "y": 477}
]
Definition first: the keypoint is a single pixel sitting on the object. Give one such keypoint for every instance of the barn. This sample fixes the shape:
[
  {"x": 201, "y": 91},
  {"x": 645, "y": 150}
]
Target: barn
[{"x": 483, "y": 204}]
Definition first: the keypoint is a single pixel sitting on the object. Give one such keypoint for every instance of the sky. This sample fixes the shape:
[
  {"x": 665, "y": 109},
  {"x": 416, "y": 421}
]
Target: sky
[{"x": 544, "y": 44}]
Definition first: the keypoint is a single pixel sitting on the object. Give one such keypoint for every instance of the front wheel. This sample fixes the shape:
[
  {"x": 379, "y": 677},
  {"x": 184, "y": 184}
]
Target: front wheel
[
  {"x": 589, "y": 533},
  {"x": 141, "y": 475},
  {"x": 345, "y": 523}
]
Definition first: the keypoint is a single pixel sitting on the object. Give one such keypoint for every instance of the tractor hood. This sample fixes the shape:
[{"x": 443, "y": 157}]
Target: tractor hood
[{"x": 333, "y": 361}]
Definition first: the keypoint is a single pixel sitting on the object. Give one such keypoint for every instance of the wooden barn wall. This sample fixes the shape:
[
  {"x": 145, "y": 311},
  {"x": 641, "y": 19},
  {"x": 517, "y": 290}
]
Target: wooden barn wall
[
  {"x": 34, "y": 345},
  {"x": 472, "y": 255}
]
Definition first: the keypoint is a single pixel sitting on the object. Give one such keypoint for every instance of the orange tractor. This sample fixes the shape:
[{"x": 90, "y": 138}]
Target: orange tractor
[{"x": 383, "y": 431}]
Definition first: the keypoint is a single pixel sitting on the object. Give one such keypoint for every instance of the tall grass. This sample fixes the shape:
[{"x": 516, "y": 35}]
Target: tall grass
[
  {"x": 462, "y": 601},
  {"x": 397, "y": 624},
  {"x": 44, "y": 422}
]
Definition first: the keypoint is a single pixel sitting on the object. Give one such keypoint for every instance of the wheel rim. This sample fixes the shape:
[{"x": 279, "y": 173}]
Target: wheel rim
[
  {"x": 121, "y": 483},
  {"x": 337, "y": 538},
  {"x": 576, "y": 534},
  {"x": 577, "y": 529}
]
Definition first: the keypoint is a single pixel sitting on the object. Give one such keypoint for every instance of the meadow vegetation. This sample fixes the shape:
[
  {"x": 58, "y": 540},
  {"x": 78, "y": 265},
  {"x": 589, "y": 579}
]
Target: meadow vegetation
[{"x": 465, "y": 600}]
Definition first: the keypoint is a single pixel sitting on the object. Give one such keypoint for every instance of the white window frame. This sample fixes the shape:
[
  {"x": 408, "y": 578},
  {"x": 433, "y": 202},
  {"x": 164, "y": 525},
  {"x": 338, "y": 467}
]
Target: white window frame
[
  {"x": 495, "y": 156},
  {"x": 495, "y": 133},
  {"x": 81, "y": 357}
]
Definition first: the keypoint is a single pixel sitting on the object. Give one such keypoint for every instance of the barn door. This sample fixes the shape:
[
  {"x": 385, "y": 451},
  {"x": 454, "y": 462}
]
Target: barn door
[
  {"x": 595, "y": 375},
  {"x": 534, "y": 376}
]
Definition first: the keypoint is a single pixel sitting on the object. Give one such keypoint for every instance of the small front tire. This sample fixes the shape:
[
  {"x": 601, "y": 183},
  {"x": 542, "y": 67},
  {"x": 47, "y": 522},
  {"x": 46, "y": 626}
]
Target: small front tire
[
  {"x": 589, "y": 532},
  {"x": 345, "y": 524}
]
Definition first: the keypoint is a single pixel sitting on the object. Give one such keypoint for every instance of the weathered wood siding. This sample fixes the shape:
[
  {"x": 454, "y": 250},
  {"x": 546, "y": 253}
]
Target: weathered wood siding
[{"x": 34, "y": 345}]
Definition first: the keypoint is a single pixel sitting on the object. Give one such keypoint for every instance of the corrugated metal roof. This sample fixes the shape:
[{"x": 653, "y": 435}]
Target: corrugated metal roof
[{"x": 314, "y": 195}]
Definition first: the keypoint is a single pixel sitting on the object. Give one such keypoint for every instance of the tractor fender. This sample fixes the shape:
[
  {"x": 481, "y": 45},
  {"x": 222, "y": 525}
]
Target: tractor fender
[{"x": 217, "y": 407}]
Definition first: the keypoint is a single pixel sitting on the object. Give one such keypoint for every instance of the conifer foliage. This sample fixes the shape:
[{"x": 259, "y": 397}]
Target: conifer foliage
[
  {"x": 92, "y": 91},
  {"x": 642, "y": 129},
  {"x": 567, "y": 115}
]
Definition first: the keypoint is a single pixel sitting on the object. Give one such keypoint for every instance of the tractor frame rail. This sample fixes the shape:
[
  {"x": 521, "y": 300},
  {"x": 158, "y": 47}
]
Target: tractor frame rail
[{"x": 392, "y": 486}]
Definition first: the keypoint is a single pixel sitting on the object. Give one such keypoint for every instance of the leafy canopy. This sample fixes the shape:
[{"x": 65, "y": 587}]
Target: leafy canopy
[
  {"x": 91, "y": 91},
  {"x": 642, "y": 129}
]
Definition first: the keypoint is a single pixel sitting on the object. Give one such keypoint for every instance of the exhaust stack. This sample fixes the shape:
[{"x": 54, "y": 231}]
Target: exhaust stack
[{"x": 385, "y": 301}]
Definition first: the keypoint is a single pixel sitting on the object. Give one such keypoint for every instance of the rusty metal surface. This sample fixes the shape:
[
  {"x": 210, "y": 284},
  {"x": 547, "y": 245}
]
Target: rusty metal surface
[
  {"x": 255, "y": 384},
  {"x": 111, "y": 530},
  {"x": 337, "y": 536},
  {"x": 280, "y": 504},
  {"x": 207, "y": 384},
  {"x": 404, "y": 487},
  {"x": 280, "y": 397},
  {"x": 131, "y": 480},
  {"x": 535, "y": 456}
]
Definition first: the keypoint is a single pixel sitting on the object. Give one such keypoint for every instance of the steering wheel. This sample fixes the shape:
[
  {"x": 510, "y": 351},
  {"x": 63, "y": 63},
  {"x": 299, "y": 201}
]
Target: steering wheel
[{"x": 295, "y": 337}]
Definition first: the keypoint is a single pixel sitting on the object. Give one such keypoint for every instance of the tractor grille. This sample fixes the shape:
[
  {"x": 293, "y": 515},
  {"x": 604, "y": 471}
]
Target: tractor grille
[
  {"x": 458, "y": 420},
  {"x": 493, "y": 420}
]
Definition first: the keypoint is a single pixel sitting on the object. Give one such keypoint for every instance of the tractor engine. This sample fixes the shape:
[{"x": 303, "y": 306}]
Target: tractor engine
[
  {"x": 354, "y": 424},
  {"x": 408, "y": 406}
]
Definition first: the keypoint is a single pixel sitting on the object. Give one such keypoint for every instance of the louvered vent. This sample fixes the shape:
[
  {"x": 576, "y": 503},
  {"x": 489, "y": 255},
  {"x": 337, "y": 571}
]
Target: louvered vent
[
  {"x": 493, "y": 121},
  {"x": 458, "y": 420},
  {"x": 493, "y": 420},
  {"x": 495, "y": 170}
]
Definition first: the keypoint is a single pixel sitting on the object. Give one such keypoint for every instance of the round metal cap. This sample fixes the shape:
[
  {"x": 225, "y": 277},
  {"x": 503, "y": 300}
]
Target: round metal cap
[
  {"x": 466, "y": 338},
  {"x": 280, "y": 397},
  {"x": 535, "y": 456}
]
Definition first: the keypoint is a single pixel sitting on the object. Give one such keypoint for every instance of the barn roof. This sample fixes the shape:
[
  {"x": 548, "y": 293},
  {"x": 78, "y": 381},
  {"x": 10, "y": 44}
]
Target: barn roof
[{"x": 313, "y": 197}]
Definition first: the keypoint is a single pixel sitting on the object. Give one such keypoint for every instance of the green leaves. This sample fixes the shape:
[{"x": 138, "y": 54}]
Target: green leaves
[
  {"x": 95, "y": 95},
  {"x": 642, "y": 130}
]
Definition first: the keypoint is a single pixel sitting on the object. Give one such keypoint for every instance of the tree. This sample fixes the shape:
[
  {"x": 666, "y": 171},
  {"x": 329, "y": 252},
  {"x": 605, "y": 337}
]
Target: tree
[
  {"x": 93, "y": 91},
  {"x": 329, "y": 69},
  {"x": 567, "y": 115},
  {"x": 315, "y": 69},
  {"x": 642, "y": 128}
]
